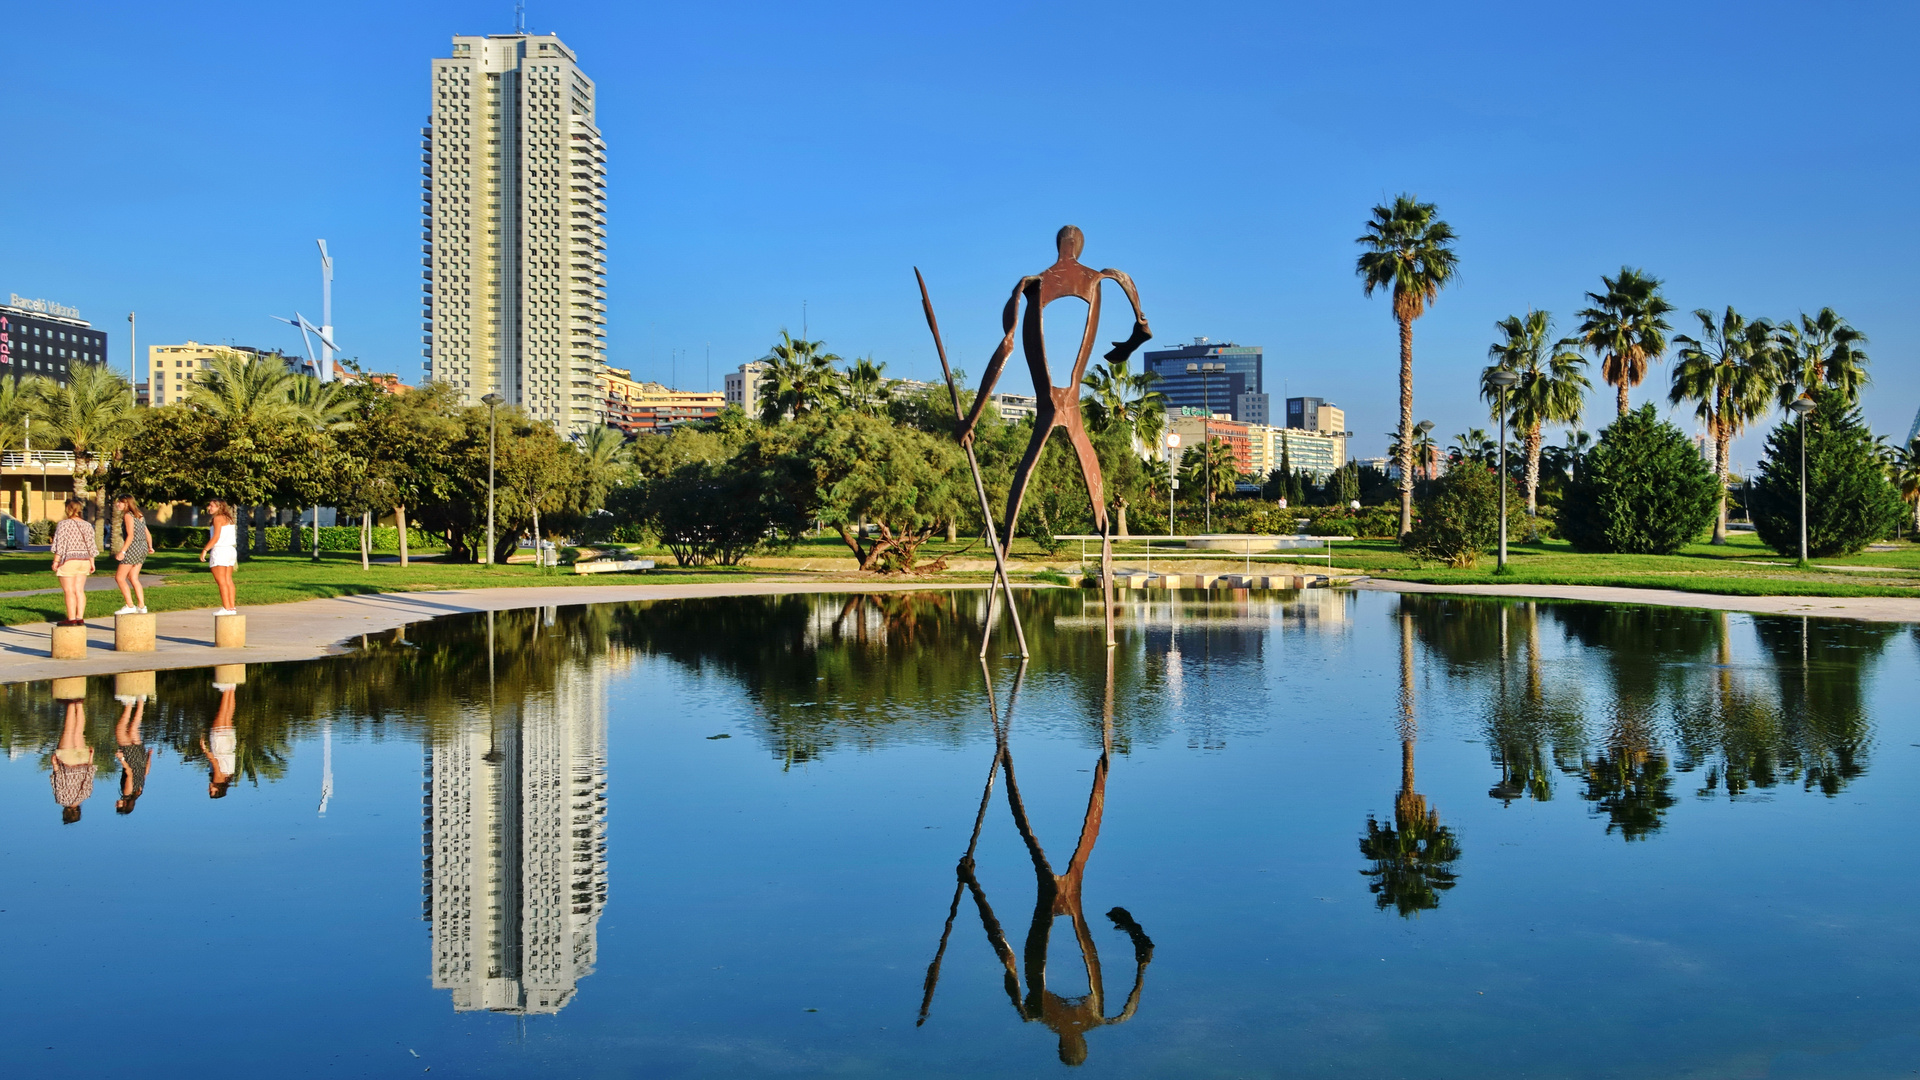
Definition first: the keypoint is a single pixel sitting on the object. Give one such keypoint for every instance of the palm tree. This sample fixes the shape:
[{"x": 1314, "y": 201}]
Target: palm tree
[
  {"x": 1475, "y": 446},
  {"x": 1728, "y": 373},
  {"x": 867, "y": 386},
  {"x": 90, "y": 416},
  {"x": 327, "y": 406},
  {"x": 1409, "y": 250},
  {"x": 1552, "y": 387},
  {"x": 799, "y": 379},
  {"x": 243, "y": 389},
  {"x": 605, "y": 460},
  {"x": 1820, "y": 350},
  {"x": 1216, "y": 462},
  {"x": 1120, "y": 397},
  {"x": 1903, "y": 468},
  {"x": 1425, "y": 451},
  {"x": 16, "y": 405},
  {"x": 1626, "y": 328}
]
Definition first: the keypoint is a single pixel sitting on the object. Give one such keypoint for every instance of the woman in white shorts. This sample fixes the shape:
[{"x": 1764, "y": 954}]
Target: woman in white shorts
[{"x": 224, "y": 552}]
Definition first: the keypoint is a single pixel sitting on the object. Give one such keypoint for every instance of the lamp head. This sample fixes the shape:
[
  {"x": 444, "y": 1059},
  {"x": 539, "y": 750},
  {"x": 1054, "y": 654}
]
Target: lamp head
[
  {"x": 1423, "y": 426},
  {"x": 493, "y": 401},
  {"x": 1504, "y": 378},
  {"x": 1192, "y": 368},
  {"x": 1802, "y": 405}
]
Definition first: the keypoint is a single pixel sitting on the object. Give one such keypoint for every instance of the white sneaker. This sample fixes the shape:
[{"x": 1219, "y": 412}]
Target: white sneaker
[
  {"x": 141, "y": 610},
  {"x": 225, "y": 611},
  {"x": 128, "y": 610}
]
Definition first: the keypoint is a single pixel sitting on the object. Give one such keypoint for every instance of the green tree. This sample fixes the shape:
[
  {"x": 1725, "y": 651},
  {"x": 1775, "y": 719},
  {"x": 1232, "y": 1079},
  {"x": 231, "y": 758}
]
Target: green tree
[
  {"x": 799, "y": 379},
  {"x": 1850, "y": 500},
  {"x": 1728, "y": 372},
  {"x": 1626, "y": 328},
  {"x": 1460, "y": 517},
  {"x": 92, "y": 415},
  {"x": 1410, "y": 252},
  {"x": 1903, "y": 469},
  {"x": 1215, "y": 464},
  {"x": 1128, "y": 401},
  {"x": 1820, "y": 351},
  {"x": 1642, "y": 490},
  {"x": 1552, "y": 387},
  {"x": 16, "y": 406},
  {"x": 905, "y": 483},
  {"x": 867, "y": 387}
]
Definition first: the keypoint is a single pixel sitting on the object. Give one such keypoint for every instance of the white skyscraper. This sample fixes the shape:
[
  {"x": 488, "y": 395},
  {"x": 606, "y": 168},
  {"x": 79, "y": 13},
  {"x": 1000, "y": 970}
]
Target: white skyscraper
[
  {"x": 515, "y": 839},
  {"x": 515, "y": 220}
]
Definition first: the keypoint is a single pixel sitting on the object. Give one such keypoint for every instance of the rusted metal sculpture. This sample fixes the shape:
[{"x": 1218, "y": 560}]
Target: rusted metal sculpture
[{"x": 1059, "y": 406}]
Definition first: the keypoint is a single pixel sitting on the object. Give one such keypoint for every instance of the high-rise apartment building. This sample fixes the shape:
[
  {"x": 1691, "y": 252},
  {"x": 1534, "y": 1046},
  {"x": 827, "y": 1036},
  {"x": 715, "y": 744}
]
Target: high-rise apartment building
[
  {"x": 38, "y": 337},
  {"x": 515, "y": 228},
  {"x": 515, "y": 845}
]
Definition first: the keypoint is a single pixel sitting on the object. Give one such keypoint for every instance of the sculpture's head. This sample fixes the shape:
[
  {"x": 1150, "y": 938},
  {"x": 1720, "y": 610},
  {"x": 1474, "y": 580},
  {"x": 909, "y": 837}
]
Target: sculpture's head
[{"x": 1070, "y": 241}]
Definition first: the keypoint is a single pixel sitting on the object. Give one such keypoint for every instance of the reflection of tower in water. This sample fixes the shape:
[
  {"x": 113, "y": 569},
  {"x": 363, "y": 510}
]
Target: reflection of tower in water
[{"x": 515, "y": 839}]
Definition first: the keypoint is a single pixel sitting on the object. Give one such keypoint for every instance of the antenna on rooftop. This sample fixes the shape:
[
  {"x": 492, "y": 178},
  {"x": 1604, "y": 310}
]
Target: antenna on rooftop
[{"x": 519, "y": 17}]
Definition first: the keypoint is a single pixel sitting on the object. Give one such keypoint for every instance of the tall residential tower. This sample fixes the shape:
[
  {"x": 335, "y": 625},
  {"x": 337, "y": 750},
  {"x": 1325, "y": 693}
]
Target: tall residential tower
[{"x": 515, "y": 228}]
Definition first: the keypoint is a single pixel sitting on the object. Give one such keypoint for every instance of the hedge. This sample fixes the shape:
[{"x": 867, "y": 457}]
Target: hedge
[{"x": 386, "y": 538}]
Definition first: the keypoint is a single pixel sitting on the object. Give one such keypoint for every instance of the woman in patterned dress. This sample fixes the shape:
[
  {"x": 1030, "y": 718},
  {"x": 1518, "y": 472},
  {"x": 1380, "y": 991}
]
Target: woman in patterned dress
[
  {"x": 73, "y": 763},
  {"x": 135, "y": 545},
  {"x": 73, "y": 552}
]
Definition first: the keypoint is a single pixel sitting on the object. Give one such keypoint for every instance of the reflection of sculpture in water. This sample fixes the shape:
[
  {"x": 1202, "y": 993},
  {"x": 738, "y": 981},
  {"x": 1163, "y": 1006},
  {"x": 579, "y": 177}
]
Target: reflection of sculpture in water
[
  {"x": 1059, "y": 406},
  {"x": 1056, "y": 895},
  {"x": 1411, "y": 858},
  {"x": 72, "y": 758}
]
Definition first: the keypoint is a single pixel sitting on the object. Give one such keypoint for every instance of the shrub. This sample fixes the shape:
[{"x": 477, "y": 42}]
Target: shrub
[
  {"x": 1850, "y": 501},
  {"x": 1459, "y": 518},
  {"x": 39, "y": 532},
  {"x": 1644, "y": 490}
]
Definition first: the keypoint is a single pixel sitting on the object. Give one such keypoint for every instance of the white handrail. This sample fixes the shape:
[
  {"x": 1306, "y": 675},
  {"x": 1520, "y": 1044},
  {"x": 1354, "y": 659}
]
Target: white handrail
[{"x": 21, "y": 459}]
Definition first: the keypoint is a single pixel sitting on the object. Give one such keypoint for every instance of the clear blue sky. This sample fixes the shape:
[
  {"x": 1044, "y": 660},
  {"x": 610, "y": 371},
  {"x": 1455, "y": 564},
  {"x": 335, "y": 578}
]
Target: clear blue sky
[{"x": 179, "y": 160}]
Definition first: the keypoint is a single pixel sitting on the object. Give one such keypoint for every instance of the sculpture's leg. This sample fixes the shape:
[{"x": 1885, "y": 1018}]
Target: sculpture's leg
[
  {"x": 1097, "y": 491},
  {"x": 1043, "y": 424}
]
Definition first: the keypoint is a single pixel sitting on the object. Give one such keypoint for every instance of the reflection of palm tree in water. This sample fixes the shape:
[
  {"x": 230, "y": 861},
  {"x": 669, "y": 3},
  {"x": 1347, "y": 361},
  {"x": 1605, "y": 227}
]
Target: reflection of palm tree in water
[
  {"x": 1056, "y": 895},
  {"x": 1411, "y": 856}
]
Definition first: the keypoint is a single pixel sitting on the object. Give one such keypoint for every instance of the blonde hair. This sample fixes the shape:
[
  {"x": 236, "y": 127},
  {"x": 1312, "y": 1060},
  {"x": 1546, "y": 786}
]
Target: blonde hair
[
  {"x": 75, "y": 508},
  {"x": 129, "y": 505},
  {"x": 220, "y": 506}
]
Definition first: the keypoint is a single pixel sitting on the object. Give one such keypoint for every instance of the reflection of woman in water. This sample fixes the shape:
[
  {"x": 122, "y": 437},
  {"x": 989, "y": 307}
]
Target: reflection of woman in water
[
  {"x": 131, "y": 751},
  {"x": 73, "y": 763},
  {"x": 221, "y": 745},
  {"x": 1057, "y": 894}
]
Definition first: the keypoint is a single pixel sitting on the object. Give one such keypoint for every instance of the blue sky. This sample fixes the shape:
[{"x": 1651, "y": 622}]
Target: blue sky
[{"x": 180, "y": 159}]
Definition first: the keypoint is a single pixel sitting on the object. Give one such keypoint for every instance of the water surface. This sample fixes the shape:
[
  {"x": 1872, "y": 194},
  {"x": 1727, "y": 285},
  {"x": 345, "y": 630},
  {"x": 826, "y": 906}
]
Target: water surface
[{"x": 1317, "y": 834}]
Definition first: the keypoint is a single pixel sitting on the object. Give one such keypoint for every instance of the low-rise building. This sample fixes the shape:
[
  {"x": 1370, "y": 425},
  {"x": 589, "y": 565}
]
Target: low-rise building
[
  {"x": 39, "y": 337},
  {"x": 638, "y": 407},
  {"x": 1013, "y": 407},
  {"x": 1194, "y": 430},
  {"x": 743, "y": 387},
  {"x": 1318, "y": 452}
]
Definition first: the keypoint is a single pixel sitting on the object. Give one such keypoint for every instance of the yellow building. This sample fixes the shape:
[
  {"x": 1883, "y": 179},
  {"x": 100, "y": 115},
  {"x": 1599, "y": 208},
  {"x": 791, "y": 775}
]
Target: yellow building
[
  {"x": 170, "y": 368},
  {"x": 636, "y": 407}
]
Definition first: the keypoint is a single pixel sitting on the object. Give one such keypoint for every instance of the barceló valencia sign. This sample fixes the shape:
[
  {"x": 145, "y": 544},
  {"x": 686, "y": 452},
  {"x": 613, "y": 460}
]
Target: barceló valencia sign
[{"x": 44, "y": 307}]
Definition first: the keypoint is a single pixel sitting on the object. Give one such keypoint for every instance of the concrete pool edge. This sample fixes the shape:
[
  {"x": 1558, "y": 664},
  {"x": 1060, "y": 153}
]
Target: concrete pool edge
[
  {"x": 1863, "y": 608},
  {"x": 311, "y": 629}
]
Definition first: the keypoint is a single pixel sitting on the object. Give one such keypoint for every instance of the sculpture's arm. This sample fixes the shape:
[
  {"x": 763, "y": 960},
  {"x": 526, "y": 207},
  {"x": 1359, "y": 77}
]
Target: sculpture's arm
[
  {"x": 1009, "y": 324},
  {"x": 1142, "y": 333}
]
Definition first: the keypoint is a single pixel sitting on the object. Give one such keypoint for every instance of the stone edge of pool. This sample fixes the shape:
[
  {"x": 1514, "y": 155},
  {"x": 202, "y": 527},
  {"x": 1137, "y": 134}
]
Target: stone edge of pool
[
  {"x": 1865, "y": 608},
  {"x": 310, "y": 629}
]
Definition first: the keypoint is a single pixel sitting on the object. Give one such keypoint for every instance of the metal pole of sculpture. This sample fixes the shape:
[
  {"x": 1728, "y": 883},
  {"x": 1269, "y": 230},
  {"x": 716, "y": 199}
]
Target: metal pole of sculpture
[
  {"x": 979, "y": 486},
  {"x": 1059, "y": 406}
]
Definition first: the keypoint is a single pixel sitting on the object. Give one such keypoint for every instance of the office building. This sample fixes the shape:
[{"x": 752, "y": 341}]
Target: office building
[
  {"x": 514, "y": 217},
  {"x": 1194, "y": 429},
  {"x": 1318, "y": 452},
  {"x": 1316, "y": 414},
  {"x": 743, "y": 387},
  {"x": 515, "y": 845},
  {"x": 39, "y": 337},
  {"x": 1237, "y": 389}
]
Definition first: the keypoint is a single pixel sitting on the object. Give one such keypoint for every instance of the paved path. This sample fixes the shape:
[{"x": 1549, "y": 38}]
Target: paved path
[
  {"x": 96, "y": 583},
  {"x": 309, "y": 629},
  {"x": 1866, "y": 608}
]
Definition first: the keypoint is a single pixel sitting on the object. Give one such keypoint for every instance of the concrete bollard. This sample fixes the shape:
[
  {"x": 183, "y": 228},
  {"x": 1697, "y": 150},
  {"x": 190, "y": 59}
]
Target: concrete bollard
[
  {"x": 230, "y": 674},
  {"x": 133, "y": 684},
  {"x": 1170, "y": 582},
  {"x": 229, "y": 631},
  {"x": 71, "y": 689},
  {"x": 135, "y": 633},
  {"x": 69, "y": 643}
]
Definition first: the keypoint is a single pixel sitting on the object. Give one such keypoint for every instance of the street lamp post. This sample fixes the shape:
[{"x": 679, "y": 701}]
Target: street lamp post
[
  {"x": 1173, "y": 482},
  {"x": 1801, "y": 406},
  {"x": 1505, "y": 380},
  {"x": 492, "y": 402},
  {"x": 1205, "y": 371}
]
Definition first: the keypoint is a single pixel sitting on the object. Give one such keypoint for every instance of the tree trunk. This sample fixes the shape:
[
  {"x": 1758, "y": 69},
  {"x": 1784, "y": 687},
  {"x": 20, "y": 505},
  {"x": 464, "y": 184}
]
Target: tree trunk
[
  {"x": 1406, "y": 425},
  {"x": 243, "y": 532},
  {"x": 1533, "y": 470},
  {"x": 400, "y": 519},
  {"x": 1120, "y": 518},
  {"x": 1722, "y": 448},
  {"x": 1622, "y": 388},
  {"x": 953, "y": 531},
  {"x": 539, "y": 549},
  {"x": 366, "y": 539},
  {"x": 260, "y": 530}
]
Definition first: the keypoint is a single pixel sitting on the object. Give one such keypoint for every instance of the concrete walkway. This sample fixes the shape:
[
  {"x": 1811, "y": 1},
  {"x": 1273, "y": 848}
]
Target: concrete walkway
[
  {"x": 96, "y": 583},
  {"x": 1865, "y": 608},
  {"x": 309, "y": 629}
]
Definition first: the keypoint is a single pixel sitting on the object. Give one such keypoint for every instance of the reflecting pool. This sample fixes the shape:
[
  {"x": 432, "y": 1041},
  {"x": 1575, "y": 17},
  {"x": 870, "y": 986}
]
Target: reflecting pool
[{"x": 1292, "y": 835}]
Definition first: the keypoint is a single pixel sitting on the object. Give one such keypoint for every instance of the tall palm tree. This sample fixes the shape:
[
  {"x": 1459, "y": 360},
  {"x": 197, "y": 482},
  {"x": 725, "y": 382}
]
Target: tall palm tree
[
  {"x": 1120, "y": 397},
  {"x": 16, "y": 405},
  {"x": 1728, "y": 372},
  {"x": 90, "y": 416},
  {"x": 1903, "y": 468},
  {"x": 1552, "y": 388},
  {"x": 1626, "y": 328},
  {"x": 1475, "y": 446},
  {"x": 1410, "y": 251},
  {"x": 1820, "y": 350},
  {"x": 1425, "y": 452},
  {"x": 326, "y": 406},
  {"x": 800, "y": 378}
]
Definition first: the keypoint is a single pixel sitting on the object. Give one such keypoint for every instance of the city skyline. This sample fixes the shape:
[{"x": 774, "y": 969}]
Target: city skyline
[{"x": 830, "y": 187}]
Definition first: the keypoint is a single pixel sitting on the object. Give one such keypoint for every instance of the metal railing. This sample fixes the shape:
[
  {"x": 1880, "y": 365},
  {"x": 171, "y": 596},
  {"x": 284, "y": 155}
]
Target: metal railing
[
  {"x": 33, "y": 459},
  {"x": 1283, "y": 547}
]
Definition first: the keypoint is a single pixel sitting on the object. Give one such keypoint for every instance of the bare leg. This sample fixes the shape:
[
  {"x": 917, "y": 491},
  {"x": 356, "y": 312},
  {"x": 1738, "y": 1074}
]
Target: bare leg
[
  {"x": 74, "y": 589},
  {"x": 223, "y": 577},
  {"x": 121, "y": 575}
]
